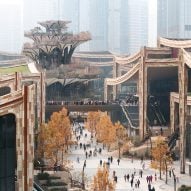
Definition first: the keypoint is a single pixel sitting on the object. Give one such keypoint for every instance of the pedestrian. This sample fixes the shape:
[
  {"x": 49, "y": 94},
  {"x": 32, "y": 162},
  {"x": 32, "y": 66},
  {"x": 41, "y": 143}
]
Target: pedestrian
[
  {"x": 143, "y": 166},
  {"x": 118, "y": 161},
  {"x": 131, "y": 182},
  {"x": 125, "y": 177},
  {"x": 113, "y": 174},
  {"x": 78, "y": 159},
  {"x": 155, "y": 177},
  {"x": 86, "y": 154},
  {"x": 161, "y": 131},
  {"x": 147, "y": 178},
  {"x": 153, "y": 189},
  {"x": 138, "y": 183},
  {"x": 84, "y": 163},
  {"x": 151, "y": 178},
  {"x": 108, "y": 159},
  {"x": 169, "y": 173},
  {"x": 128, "y": 177},
  {"x": 100, "y": 162},
  {"x": 55, "y": 167},
  {"x": 115, "y": 179},
  {"x": 111, "y": 159},
  {"x": 149, "y": 187},
  {"x": 141, "y": 173}
]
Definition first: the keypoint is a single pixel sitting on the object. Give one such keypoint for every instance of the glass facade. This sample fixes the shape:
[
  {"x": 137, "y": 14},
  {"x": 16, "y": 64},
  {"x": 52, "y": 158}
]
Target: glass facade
[{"x": 7, "y": 152}]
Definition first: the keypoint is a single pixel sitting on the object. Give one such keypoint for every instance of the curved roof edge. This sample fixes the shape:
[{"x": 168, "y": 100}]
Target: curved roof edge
[{"x": 174, "y": 43}]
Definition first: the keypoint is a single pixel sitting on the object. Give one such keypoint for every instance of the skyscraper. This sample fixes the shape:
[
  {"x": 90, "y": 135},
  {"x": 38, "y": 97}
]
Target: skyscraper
[
  {"x": 174, "y": 18},
  {"x": 11, "y": 22},
  {"x": 137, "y": 24}
]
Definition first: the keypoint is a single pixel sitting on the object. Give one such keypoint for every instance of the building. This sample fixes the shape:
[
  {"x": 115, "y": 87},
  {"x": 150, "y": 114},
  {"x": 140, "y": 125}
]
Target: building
[
  {"x": 22, "y": 107},
  {"x": 163, "y": 84},
  {"x": 174, "y": 18},
  {"x": 11, "y": 21}
]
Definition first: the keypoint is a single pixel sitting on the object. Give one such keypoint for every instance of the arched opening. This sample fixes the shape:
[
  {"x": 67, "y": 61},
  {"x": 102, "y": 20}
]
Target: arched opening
[
  {"x": 5, "y": 90},
  {"x": 8, "y": 163}
]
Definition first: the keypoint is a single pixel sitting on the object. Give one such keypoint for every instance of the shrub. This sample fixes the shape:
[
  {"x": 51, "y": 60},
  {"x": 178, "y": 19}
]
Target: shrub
[
  {"x": 184, "y": 188},
  {"x": 54, "y": 177},
  {"x": 56, "y": 184},
  {"x": 43, "y": 176}
]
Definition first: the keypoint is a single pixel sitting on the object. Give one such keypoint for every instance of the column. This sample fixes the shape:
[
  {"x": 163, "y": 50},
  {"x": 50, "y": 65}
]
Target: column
[
  {"x": 172, "y": 114},
  {"x": 142, "y": 96},
  {"x": 105, "y": 90},
  {"x": 115, "y": 75},
  {"x": 183, "y": 84}
]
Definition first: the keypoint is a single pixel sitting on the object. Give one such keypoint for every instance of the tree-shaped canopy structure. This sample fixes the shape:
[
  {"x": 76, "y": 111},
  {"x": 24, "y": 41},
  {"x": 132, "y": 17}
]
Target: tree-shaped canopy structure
[{"x": 54, "y": 45}]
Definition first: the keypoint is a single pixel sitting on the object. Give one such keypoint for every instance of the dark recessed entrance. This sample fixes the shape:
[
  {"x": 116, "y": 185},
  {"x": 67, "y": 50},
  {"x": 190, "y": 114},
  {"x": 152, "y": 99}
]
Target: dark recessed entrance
[{"x": 7, "y": 152}]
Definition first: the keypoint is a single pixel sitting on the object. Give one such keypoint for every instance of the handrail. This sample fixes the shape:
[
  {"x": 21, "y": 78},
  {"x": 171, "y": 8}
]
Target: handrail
[
  {"x": 123, "y": 78},
  {"x": 36, "y": 187},
  {"x": 128, "y": 118},
  {"x": 175, "y": 43},
  {"x": 127, "y": 60}
]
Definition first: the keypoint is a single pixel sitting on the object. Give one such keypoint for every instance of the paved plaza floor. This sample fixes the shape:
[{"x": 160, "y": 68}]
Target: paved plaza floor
[{"x": 126, "y": 166}]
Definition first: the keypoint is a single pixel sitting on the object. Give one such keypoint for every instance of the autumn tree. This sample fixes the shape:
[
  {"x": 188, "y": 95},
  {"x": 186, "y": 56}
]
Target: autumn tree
[
  {"x": 105, "y": 131},
  {"x": 57, "y": 135},
  {"x": 92, "y": 121},
  {"x": 120, "y": 135},
  {"x": 101, "y": 181},
  {"x": 161, "y": 156}
]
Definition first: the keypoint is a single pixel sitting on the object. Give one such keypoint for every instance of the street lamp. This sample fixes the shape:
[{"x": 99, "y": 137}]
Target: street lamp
[
  {"x": 83, "y": 182},
  {"x": 174, "y": 178}
]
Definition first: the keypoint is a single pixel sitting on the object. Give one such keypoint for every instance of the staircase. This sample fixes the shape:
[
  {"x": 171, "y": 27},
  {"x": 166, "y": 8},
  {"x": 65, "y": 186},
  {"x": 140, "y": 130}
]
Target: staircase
[{"x": 173, "y": 138}]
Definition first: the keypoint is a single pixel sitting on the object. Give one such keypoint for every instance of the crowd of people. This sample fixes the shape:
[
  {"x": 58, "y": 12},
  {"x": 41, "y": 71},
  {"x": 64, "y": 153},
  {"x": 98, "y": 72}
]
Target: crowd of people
[{"x": 91, "y": 149}]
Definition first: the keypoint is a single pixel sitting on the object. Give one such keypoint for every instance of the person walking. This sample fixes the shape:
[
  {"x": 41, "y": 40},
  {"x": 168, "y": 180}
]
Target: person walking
[
  {"x": 100, "y": 162},
  {"x": 125, "y": 177},
  {"x": 128, "y": 177},
  {"x": 131, "y": 182},
  {"x": 111, "y": 158},
  {"x": 141, "y": 173},
  {"x": 118, "y": 161},
  {"x": 138, "y": 183}
]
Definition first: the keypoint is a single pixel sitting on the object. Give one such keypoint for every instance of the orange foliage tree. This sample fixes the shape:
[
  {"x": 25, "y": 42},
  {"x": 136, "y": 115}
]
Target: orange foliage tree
[
  {"x": 57, "y": 134},
  {"x": 161, "y": 158},
  {"x": 121, "y": 136},
  {"x": 105, "y": 130},
  {"x": 101, "y": 181},
  {"x": 92, "y": 120}
]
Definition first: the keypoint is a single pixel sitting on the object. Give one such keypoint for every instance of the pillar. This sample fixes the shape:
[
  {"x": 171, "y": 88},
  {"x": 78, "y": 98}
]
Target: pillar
[
  {"x": 183, "y": 84},
  {"x": 172, "y": 114},
  {"x": 142, "y": 96},
  {"x": 115, "y": 75},
  {"x": 105, "y": 91}
]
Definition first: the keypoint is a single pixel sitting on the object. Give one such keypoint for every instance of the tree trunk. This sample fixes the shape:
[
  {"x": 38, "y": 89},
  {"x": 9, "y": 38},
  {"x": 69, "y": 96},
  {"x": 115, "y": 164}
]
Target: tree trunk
[
  {"x": 62, "y": 155},
  {"x": 166, "y": 172},
  {"x": 160, "y": 170},
  {"x": 119, "y": 152}
]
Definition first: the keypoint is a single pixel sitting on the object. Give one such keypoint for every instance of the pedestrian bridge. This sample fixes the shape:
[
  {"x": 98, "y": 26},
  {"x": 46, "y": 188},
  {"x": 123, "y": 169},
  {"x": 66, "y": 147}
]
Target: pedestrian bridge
[{"x": 113, "y": 108}]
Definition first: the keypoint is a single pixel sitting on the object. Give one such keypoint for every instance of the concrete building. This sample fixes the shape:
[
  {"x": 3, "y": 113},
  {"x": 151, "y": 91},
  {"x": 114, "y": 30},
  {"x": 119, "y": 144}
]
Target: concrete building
[{"x": 22, "y": 106}]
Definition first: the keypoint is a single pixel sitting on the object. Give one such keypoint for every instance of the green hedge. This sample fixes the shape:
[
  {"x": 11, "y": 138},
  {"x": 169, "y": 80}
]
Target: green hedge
[
  {"x": 43, "y": 176},
  {"x": 56, "y": 184},
  {"x": 184, "y": 188}
]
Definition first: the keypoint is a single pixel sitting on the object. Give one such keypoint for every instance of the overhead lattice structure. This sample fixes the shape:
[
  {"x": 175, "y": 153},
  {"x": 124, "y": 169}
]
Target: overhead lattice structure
[{"x": 54, "y": 45}]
